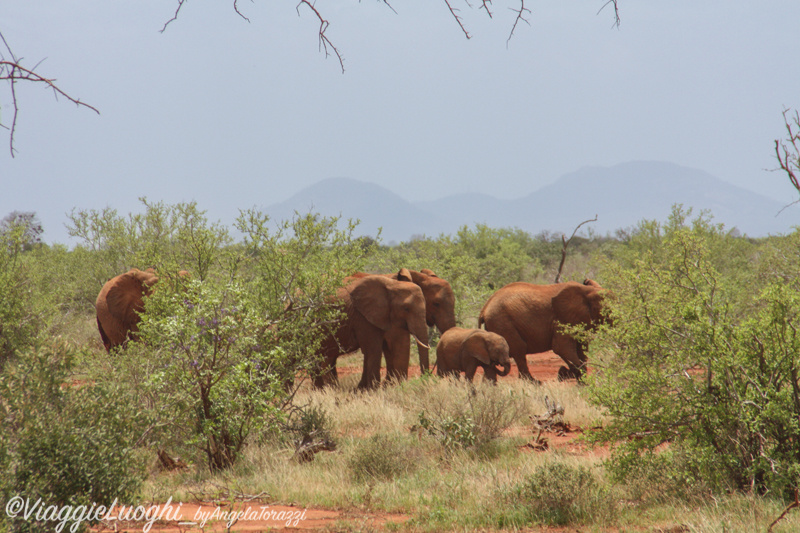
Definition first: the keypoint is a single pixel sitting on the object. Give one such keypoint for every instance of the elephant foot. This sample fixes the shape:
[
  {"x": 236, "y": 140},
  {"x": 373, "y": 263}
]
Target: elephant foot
[
  {"x": 368, "y": 385},
  {"x": 529, "y": 377},
  {"x": 565, "y": 374}
]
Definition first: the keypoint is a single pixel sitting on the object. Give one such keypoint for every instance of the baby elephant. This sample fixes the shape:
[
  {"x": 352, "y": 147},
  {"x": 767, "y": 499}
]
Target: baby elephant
[{"x": 463, "y": 350}]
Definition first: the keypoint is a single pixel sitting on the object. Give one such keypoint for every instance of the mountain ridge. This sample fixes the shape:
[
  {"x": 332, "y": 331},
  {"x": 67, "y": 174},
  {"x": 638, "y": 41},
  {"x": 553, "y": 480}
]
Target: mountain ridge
[{"x": 621, "y": 196}]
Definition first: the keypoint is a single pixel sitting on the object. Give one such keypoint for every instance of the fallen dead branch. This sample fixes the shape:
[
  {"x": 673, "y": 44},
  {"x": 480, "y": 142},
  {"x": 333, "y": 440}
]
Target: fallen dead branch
[{"x": 795, "y": 503}]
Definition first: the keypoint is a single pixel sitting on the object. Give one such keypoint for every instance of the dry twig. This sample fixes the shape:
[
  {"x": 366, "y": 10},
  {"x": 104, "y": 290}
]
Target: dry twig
[
  {"x": 12, "y": 71},
  {"x": 565, "y": 243},
  {"x": 519, "y": 18},
  {"x": 795, "y": 503},
  {"x": 788, "y": 151}
]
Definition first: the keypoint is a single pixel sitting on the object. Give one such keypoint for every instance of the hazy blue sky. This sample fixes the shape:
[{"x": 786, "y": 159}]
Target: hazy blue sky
[{"x": 235, "y": 114}]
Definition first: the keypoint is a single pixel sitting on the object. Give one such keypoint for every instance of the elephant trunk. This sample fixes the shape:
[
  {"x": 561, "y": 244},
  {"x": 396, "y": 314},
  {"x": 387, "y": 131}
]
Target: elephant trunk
[
  {"x": 506, "y": 369},
  {"x": 445, "y": 322}
]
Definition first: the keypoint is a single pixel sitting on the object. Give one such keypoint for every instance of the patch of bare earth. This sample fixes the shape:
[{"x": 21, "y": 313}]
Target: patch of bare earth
[
  {"x": 196, "y": 517},
  {"x": 543, "y": 366}
]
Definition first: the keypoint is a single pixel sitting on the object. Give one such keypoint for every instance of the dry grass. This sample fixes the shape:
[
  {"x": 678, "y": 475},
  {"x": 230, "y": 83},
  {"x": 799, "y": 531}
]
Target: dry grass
[{"x": 384, "y": 463}]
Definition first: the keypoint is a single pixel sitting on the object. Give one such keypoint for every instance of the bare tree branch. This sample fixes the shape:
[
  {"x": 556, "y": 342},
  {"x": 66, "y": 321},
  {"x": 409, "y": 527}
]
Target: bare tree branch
[
  {"x": 180, "y": 6},
  {"x": 174, "y": 15},
  {"x": 565, "y": 244},
  {"x": 788, "y": 150},
  {"x": 485, "y": 6},
  {"x": 520, "y": 17},
  {"x": 616, "y": 11},
  {"x": 795, "y": 503},
  {"x": 326, "y": 45},
  {"x": 324, "y": 42},
  {"x": 13, "y": 72},
  {"x": 454, "y": 11}
]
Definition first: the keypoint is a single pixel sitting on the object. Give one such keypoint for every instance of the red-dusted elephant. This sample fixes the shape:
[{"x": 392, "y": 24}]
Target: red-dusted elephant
[
  {"x": 464, "y": 350},
  {"x": 119, "y": 303},
  {"x": 380, "y": 314},
  {"x": 440, "y": 304},
  {"x": 527, "y": 316}
]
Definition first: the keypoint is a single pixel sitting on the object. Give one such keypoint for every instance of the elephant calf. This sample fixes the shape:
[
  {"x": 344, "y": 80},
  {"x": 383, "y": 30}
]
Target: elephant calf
[{"x": 464, "y": 350}]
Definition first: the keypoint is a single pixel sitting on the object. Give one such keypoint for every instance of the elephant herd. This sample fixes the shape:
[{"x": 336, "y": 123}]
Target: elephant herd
[{"x": 383, "y": 312}]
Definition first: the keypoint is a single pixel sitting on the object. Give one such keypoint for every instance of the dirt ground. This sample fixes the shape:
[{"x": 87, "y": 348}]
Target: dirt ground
[
  {"x": 247, "y": 517},
  {"x": 543, "y": 366},
  {"x": 256, "y": 516}
]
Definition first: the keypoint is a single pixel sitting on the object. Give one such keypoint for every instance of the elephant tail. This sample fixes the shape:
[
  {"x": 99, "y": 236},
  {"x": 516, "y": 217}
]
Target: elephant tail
[{"x": 481, "y": 321}]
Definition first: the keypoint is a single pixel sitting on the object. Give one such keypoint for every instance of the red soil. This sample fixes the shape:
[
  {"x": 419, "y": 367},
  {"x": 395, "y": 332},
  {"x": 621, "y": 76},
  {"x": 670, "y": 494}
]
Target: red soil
[
  {"x": 543, "y": 366},
  {"x": 195, "y": 517}
]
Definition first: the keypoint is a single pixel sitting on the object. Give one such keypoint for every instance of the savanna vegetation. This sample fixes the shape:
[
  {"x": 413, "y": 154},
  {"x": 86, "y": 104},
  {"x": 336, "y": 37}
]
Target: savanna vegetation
[{"x": 689, "y": 419}]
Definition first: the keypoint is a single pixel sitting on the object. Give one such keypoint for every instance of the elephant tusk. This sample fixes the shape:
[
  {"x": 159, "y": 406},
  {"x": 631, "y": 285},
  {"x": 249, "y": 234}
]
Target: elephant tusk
[{"x": 422, "y": 344}]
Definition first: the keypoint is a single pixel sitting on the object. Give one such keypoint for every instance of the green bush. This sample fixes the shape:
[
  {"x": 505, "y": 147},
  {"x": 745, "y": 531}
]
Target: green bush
[
  {"x": 560, "y": 494},
  {"x": 457, "y": 431},
  {"x": 220, "y": 351},
  {"x": 21, "y": 317},
  {"x": 64, "y": 442},
  {"x": 381, "y": 457},
  {"x": 471, "y": 420},
  {"x": 704, "y": 358}
]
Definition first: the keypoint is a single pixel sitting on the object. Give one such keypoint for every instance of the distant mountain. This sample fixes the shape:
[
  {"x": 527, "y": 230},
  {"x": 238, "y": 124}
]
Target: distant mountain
[
  {"x": 372, "y": 204},
  {"x": 625, "y": 194},
  {"x": 620, "y": 196}
]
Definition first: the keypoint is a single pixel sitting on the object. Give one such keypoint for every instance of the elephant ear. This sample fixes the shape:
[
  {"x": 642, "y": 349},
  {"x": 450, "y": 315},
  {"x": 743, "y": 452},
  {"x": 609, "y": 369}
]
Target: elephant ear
[
  {"x": 428, "y": 272},
  {"x": 404, "y": 274},
  {"x": 370, "y": 297},
  {"x": 572, "y": 305},
  {"x": 475, "y": 346},
  {"x": 125, "y": 296}
]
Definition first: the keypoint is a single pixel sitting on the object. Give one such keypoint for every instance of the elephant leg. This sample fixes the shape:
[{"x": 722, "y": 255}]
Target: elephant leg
[
  {"x": 569, "y": 350},
  {"x": 469, "y": 372},
  {"x": 489, "y": 373},
  {"x": 518, "y": 350},
  {"x": 398, "y": 354},
  {"x": 325, "y": 368},
  {"x": 370, "y": 340},
  {"x": 326, "y": 372}
]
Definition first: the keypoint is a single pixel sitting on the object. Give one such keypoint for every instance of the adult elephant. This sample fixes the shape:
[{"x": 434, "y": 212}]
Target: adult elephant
[
  {"x": 119, "y": 303},
  {"x": 440, "y": 305},
  {"x": 529, "y": 317},
  {"x": 380, "y": 313},
  {"x": 464, "y": 350}
]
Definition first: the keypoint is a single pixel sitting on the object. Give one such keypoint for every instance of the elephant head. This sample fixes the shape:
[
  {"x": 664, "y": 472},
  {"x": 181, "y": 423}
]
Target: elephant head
[
  {"x": 440, "y": 301},
  {"x": 489, "y": 349},
  {"x": 580, "y": 303},
  {"x": 119, "y": 303}
]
